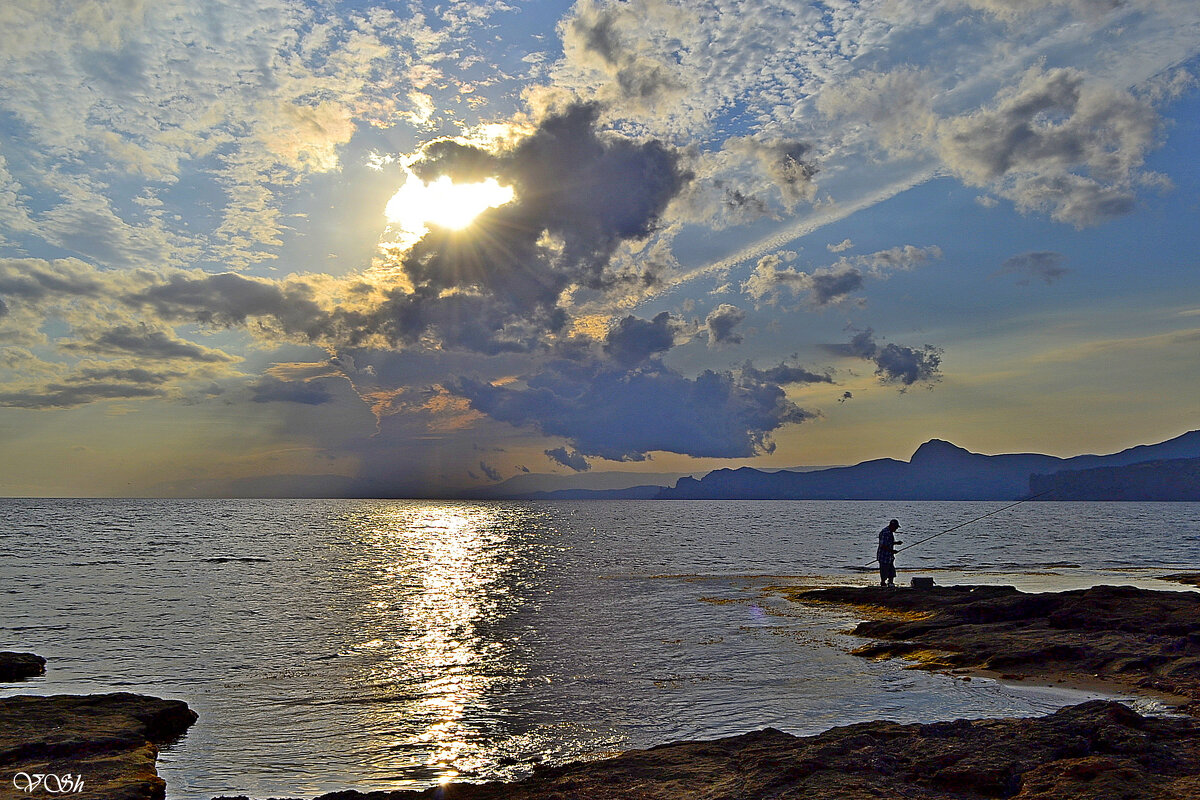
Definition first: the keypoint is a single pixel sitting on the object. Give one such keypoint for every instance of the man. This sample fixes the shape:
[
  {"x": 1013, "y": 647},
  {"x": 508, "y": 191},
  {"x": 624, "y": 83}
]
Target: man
[{"x": 886, "y": 554}]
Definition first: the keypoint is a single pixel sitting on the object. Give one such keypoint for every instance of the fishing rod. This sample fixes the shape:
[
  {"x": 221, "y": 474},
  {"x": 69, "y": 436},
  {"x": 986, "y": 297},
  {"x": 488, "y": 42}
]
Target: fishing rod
[{"x": 964, "y": 524}]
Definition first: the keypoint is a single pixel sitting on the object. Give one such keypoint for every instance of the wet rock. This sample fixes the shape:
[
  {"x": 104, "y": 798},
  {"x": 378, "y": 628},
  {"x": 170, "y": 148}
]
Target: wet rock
[
  {"x": 109, "y": 741},
  {"x": 18, "y": 666},
  {"x": 1139, "y": 638},
  {"x": 1086, "y": 752}
]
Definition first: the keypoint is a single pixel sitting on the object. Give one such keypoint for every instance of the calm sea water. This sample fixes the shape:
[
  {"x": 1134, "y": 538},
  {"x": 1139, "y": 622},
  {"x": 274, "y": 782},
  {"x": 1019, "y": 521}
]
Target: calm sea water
[{"x": 396, "y": 644}]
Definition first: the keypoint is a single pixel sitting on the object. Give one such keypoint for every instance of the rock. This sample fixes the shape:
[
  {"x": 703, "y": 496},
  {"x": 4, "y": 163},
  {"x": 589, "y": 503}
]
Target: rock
[
  {"x": 18, "y": 666},
  {"x": 1087, "y": 752},
  {"x": 107, "y": 740},
  {"x": 1190, "y": 578},
  {"x": 1138, "y": 637}
]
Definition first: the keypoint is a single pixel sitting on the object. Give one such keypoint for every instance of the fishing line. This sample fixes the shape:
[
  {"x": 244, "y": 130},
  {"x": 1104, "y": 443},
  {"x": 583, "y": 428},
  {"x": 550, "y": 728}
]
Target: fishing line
[{"x": 963, "y": 524}]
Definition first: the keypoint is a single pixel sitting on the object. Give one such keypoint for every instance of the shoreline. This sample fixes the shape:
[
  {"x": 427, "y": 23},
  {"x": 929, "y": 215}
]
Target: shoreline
[
  {"x": 1138, "y": 641},
  {"x": 1092, "y": 751},
  {"x": 96, "y": 746},
  {"x": 1111, "y": 639}
]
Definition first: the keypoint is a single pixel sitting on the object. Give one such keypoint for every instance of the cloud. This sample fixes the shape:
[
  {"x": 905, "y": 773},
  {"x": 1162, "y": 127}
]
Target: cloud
[
  {"x": 721, "y": 324},
  {"x": 83, "y": 389},
  {"x": 769, "y": 283},
  {"x": 633, "y": 340},
  {"x": 1012, "y": 10},
  {"x": 490, "y": 472},
  {"x": 229, "y": 300},
  {"x": 1045, "y": 265},
  {"x": 270, "y": 389},
  {"x": 894, "y": 109},
  {"x": 142, "y": 342},
  {"x": 571, "y": 459},
  {"x": 894, "y": 363},
  {"x": 623, "y": 415},
  {"x": 788, "y": 164},
  {"x": 579, "y": 194},
  {"x": 840, "y": 247},
  {"x": 896, "y": 259},
  {"x": 784, "y": 374},
  {"x": 826, "y": 286},
  {"x": 34, "y": 280},
  {"x": 618, "y": 43},
  {"x": 1057, "y": 142}
]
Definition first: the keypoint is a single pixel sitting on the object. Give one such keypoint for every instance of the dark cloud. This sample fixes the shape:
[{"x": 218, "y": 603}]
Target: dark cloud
[
  {"x": 229, "y": 300},
  {"x": 894, "y": 363},
  {"x": 830, "y": 286},
  {"x": 62, "y": 395},
  {"x": 578, "y": 196},
  {"x": 1045, "y": 265},
  {"x": 270, "y": 389},
  {"x": 491, "y": 472},
  {"x": 143, "y": 342},
  {"x": 633, "y": 340},
  {"x": 721, "y": 323},
  {"x": 846, "y": 396},
  {"x": 571, "y": 459},
  {"x": 784, "y": 374},
  {"x": 33, "y": 280},
  {"x": 623, "y": 415}
]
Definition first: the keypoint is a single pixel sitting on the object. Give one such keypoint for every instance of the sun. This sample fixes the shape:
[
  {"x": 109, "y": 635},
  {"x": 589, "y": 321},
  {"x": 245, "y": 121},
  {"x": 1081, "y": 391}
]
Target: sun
[{"x": 416, "y": 205}]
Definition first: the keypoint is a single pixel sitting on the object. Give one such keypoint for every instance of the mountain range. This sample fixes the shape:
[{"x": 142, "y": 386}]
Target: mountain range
[{"x": 938, "y": 470}]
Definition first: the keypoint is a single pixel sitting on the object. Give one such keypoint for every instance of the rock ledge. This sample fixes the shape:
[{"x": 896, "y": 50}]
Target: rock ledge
[
  {"x": 1095, "y": 751},
  {"x": 108, "y": 740}
]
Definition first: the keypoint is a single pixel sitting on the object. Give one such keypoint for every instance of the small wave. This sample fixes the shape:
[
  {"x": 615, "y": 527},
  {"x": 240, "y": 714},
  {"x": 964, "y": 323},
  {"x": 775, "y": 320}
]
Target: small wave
[{"x": 243, "y": 559}]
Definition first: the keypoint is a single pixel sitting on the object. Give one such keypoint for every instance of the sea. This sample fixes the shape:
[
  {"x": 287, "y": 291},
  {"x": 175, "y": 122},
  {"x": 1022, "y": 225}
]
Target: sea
[{"x": 386, "y": 644}]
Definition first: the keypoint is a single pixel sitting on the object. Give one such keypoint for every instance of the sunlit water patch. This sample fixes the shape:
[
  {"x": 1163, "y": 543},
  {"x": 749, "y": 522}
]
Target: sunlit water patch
[{"x": 392, "y": 644}]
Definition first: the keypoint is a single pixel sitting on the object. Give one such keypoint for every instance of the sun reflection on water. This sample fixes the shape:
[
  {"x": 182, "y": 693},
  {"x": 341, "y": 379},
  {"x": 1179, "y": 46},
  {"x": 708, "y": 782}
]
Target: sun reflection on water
[{"x": 435, "y": 621}]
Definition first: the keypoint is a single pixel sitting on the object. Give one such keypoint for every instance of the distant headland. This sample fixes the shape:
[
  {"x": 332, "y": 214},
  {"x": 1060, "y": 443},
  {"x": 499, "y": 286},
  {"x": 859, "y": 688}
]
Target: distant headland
[{"x": 939, "y": 470}]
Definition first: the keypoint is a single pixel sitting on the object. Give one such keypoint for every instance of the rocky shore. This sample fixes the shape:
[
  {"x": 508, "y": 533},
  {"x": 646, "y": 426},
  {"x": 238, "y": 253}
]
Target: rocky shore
[
  {"x": 99, "y": 747},
  {"x": 1139, "y": 639},
  {"x": 1100, "y": 750},
  {"x": 19, "y": 666},
  {"x": 1095, "y": 751}
]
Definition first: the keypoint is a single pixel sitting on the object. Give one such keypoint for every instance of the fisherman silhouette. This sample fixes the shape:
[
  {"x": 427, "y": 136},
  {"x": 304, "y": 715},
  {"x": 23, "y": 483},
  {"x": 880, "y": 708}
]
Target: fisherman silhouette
[{"x": 886, "y": 554}]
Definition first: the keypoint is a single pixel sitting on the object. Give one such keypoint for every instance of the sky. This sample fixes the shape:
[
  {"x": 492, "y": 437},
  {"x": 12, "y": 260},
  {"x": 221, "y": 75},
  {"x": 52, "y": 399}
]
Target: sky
[{"x": 420, "y": 249}]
